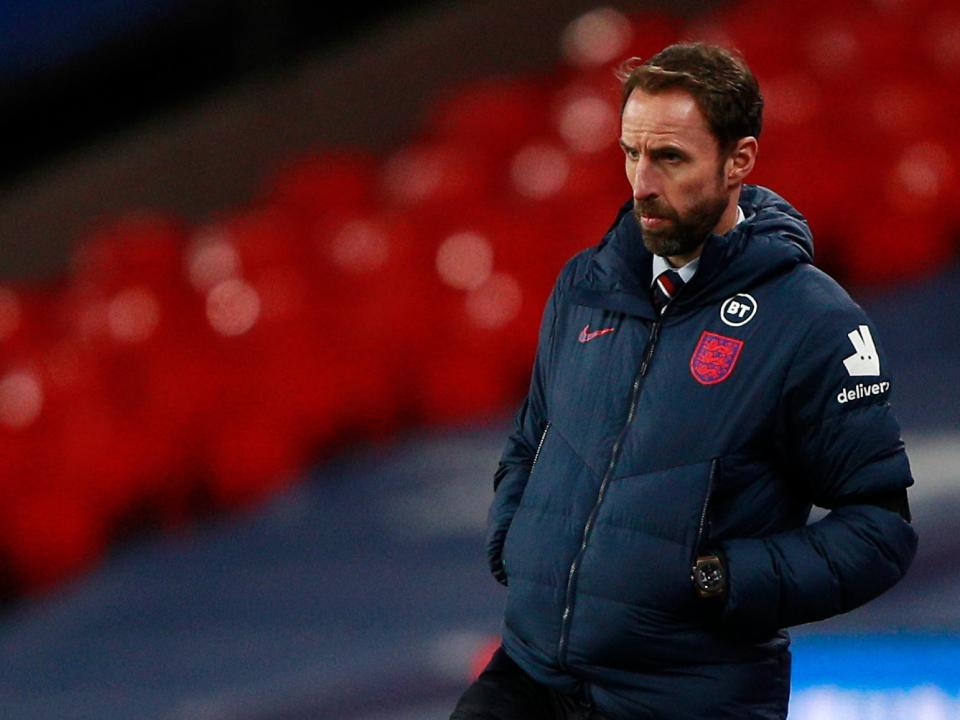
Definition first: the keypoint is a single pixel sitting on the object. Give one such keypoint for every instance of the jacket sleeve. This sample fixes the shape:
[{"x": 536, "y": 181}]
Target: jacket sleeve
[
  {"x": 530, "y": 423},
  {"x": 843, "y": 445}
]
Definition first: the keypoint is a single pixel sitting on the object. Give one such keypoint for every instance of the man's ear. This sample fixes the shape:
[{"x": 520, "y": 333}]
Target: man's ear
[{"x": 740, "y": 161}]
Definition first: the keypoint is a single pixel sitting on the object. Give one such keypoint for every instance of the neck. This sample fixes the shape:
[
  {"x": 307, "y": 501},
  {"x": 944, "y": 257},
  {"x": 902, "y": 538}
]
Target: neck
[
  {"x": 729, "y": 218},
  {"x": 678, "y": 261}
]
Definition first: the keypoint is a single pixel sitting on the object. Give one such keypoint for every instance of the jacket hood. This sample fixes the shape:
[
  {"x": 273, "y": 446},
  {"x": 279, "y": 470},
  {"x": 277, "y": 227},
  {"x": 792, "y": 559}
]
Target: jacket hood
[{"x": 772, "y": 239}]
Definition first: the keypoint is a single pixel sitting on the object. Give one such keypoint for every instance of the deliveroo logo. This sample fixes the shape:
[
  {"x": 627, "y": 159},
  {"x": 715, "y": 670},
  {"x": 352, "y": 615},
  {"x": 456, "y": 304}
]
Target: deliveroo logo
[{"x": 864, "y": 360}]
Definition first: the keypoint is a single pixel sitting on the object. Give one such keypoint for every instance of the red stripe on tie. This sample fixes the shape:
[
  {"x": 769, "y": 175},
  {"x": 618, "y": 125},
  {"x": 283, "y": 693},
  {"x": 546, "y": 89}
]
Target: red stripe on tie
[{"x": 666, "y": 285}]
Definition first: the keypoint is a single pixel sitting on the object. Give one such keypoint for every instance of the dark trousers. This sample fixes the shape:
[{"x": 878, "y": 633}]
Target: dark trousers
[{"x": 505, "y": 692}]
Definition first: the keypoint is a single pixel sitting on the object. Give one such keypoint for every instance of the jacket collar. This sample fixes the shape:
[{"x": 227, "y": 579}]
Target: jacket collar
[{"x": 773, "y": 238}]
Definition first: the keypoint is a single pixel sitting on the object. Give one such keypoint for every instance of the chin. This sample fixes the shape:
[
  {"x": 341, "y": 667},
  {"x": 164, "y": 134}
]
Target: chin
[{"x": 662, "y": 246}]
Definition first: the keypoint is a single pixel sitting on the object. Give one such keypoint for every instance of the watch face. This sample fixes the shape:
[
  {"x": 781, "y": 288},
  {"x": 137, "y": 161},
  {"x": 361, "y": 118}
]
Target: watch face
[{"x": 709, "y": 577}]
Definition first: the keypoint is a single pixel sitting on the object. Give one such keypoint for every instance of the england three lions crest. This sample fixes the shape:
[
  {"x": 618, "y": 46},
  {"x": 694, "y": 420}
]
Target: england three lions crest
[{"x": 714, "y": 358}]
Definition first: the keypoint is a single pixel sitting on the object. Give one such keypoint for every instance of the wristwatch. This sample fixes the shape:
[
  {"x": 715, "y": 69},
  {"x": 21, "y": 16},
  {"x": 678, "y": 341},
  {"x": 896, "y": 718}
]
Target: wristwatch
[{"x": 709, "y": 577}]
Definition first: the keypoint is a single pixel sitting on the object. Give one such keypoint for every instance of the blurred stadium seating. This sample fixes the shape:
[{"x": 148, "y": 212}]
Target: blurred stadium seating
[{"x": 182, "y": 371}]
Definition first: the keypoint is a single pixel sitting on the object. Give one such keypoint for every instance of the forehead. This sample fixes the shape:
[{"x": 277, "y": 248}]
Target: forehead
[{"x": 671, "y": 114}]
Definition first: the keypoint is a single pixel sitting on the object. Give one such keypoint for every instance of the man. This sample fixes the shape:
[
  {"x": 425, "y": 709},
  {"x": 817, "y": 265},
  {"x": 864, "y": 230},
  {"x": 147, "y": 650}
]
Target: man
[{"x": 699, "y": 384}]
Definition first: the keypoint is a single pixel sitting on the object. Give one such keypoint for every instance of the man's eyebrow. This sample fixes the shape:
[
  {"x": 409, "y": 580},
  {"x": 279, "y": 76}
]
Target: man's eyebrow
[
  {"x": 659, "y": 150},
  {"x": 668, "y": 148}
]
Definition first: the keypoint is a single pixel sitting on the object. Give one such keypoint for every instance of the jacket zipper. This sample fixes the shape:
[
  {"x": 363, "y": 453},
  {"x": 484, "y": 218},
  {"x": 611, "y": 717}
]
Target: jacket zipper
[
  {"x": 536, "y": 455},
  {"x": 711, "y": 481},
  {"x": 614, "y": 456}
]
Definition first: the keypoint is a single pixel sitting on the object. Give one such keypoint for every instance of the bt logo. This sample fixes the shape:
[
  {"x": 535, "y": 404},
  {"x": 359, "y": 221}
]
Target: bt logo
[{"x": 738, "y": 310}]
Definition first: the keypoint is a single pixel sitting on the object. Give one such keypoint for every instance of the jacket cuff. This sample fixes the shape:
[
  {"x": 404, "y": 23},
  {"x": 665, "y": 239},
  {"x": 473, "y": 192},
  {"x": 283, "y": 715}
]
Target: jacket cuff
[
  {"x": 753, "y": 589},
  {"x": 498, "y": 522},
  {"x": 495, "y": 540}
]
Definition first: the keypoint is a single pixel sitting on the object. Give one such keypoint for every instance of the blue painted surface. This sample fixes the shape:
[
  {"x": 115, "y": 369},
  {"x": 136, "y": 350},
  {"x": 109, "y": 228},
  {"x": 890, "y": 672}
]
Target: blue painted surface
[{"x": 878, "y": 662}]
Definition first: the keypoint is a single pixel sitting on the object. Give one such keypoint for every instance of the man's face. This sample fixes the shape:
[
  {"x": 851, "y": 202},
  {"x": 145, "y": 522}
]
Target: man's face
[{"x": 674, "y": 167}]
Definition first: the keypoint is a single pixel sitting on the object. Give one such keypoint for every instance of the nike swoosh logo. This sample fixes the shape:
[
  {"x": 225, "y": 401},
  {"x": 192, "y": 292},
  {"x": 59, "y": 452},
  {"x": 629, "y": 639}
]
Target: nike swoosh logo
[{"x": 586, "y": 336}]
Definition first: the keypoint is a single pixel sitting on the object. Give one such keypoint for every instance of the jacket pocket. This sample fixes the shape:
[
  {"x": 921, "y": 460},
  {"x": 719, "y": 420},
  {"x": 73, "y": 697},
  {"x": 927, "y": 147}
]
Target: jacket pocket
[
  {"x": 536, "y": 455},
  {"x": 702, "y": 541},
  {"x": 647, "y": 534},
  {"x": 533, "y": 466}
]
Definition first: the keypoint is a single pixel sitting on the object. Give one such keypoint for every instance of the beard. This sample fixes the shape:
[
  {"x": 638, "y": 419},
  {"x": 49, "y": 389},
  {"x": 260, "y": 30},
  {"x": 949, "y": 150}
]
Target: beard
[{"x": 680, "y": 235}]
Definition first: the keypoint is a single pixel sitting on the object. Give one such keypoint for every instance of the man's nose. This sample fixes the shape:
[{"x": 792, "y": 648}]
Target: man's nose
[{"x": 645, "y": 185}]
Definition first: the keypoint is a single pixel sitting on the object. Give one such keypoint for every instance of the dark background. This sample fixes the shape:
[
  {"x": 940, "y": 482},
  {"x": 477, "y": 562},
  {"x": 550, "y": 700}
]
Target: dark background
[{"x": 74, "y": 73}]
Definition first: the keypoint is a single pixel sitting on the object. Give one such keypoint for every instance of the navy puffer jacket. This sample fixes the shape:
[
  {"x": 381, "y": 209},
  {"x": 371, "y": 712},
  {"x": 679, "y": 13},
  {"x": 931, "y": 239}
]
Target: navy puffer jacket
[{"x": 643, "y": 441}]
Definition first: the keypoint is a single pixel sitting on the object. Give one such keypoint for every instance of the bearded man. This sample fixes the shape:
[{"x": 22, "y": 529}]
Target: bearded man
[{"x": 699, "y": 385}]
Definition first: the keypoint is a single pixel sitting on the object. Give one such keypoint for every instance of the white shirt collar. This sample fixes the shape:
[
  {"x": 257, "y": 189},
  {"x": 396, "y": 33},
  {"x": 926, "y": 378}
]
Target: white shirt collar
[
  {"x": 660, "y": 264},
  {"x": 740, "y": 216}
]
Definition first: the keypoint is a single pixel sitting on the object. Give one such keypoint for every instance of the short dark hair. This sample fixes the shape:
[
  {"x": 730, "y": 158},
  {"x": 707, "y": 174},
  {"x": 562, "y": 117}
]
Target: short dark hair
[{"x": 719, "y": 80}]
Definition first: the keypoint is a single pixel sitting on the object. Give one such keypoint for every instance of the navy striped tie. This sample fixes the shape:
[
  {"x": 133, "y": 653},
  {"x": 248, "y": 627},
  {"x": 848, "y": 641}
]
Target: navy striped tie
[{"x": 665, "y": 288}]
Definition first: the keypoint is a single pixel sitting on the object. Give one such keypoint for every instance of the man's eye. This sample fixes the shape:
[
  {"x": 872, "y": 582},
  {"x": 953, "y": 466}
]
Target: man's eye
[{"x": 633, "y": 154}]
